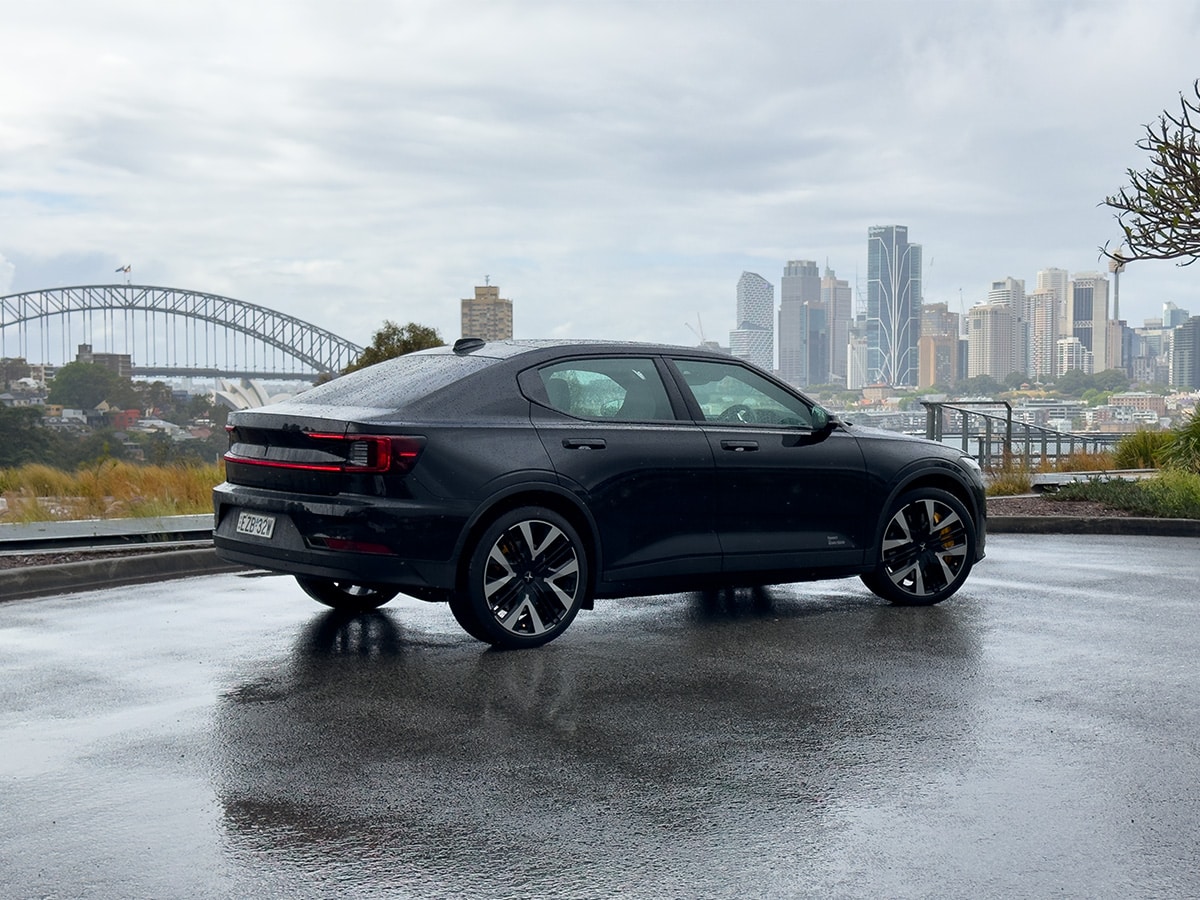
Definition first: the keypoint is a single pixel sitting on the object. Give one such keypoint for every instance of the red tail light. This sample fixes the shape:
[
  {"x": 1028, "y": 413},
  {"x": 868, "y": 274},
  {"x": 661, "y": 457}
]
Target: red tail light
[{"x": 364, "y": 454}]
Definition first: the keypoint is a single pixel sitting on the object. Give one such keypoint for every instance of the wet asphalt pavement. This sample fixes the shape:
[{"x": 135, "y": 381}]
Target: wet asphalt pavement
[{"x": 1036, "y": 736}]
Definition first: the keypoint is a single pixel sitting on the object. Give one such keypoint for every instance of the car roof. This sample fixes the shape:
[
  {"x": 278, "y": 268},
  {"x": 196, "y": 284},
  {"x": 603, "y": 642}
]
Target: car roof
[{"x": 507, "y": 349}]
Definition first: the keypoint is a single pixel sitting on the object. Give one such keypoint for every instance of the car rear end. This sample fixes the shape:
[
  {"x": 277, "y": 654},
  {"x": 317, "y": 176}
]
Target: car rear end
[{"x": 321, "y": 487}]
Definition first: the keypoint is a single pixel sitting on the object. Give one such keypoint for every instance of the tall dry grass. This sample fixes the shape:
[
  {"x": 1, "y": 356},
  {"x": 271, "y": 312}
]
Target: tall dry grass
[
  {"x": 110, "y": 489},
  {"x": 1014, "y": 475}
]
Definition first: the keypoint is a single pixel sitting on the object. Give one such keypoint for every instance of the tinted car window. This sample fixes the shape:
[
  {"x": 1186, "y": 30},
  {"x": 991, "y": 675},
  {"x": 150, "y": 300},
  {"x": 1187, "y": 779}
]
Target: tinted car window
[
  {"x": 395, "y": 382},
  {"x": 727, "y": 392},
  {"x": 627, "y": 390}
]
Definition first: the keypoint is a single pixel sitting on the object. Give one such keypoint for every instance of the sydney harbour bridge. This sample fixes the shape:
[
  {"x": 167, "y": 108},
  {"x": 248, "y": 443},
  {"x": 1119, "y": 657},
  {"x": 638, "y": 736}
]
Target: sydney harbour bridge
[{"x": 168, "y": 332}]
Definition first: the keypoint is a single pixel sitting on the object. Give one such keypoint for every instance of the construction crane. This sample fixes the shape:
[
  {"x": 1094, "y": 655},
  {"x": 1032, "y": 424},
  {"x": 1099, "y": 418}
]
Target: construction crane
[{"x": 698, "y": 333}]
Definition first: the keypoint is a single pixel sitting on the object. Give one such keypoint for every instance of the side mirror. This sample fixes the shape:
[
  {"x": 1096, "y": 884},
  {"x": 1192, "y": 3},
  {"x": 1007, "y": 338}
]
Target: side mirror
[{"x": 822, "y": 421}]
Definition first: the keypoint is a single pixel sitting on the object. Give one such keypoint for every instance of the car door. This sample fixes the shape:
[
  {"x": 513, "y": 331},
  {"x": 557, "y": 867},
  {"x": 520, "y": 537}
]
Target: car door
[
  {"x": 620, "y": 438},
  {"x": 788, "y": 495}
]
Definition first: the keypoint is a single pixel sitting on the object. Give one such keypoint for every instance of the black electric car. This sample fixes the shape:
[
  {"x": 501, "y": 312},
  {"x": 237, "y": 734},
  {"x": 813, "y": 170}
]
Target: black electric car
[{"x": 520, "y": 480}]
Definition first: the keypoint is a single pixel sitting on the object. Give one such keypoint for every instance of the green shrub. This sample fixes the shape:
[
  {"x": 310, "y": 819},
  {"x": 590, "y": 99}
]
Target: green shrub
[
  {"x": 1183, "y": 452},
  {"x": 1171, "y": 494},
  {"x": 1176, "y": 494},
  {"x": 1141, "y": 450},
  {"x": 1119, "y": 494}
]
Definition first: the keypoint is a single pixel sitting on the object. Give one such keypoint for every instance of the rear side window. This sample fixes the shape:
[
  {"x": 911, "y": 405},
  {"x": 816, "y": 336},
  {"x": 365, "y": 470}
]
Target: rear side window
[
  {"x": 395, "y": 382},
  {"x": 625, "y": 390}
]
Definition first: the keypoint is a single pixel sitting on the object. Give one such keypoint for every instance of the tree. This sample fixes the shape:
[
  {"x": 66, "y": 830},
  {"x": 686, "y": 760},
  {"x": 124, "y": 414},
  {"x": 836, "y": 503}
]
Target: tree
[
  {"x": 1013, "y": 380},
  {"x": 25, "y": 440},
  {"x": 1111, "y": 381},
  {"x": 1072, "y": 383},
  {"x": 1159, "y": 212},
  {"x": 80, "y": 385},
  {"x": 394, "y": 340},
  {"x": 979, "y": 386}
]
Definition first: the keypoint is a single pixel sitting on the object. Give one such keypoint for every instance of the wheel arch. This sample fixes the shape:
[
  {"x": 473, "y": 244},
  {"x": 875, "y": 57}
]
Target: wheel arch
[
  {"x": 926, "y": 478},
  {"x": 543, "y": 495}
]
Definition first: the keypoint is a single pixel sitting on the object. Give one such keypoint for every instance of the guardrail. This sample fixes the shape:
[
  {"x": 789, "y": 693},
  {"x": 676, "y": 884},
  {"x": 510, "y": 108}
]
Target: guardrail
[
  {"x": 35, "y": 537},
  {"x": 996, "y": 439}
]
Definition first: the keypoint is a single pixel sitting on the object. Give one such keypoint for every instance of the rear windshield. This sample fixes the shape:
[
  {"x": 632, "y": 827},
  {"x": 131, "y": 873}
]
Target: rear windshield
[{"x": 396, "y": 382}]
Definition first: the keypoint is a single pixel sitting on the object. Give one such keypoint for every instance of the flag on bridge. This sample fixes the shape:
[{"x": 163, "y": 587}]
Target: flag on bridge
[{"x": 124, "y": 269}]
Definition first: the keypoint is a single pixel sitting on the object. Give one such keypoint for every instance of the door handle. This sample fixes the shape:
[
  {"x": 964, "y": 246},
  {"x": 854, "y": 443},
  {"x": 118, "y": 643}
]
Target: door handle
[
  {"x": 584, "y": 443},
  {"x": 739, "y": 446}
]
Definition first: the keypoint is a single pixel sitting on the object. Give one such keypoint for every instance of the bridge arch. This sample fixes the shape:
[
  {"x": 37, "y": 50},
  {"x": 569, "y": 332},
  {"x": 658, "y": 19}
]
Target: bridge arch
[{"x": 315, "y": 348}]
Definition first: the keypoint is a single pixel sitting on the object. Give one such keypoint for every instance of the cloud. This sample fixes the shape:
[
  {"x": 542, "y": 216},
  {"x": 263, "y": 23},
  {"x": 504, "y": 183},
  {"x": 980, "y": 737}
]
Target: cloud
[{"x": 614, "y": 167}]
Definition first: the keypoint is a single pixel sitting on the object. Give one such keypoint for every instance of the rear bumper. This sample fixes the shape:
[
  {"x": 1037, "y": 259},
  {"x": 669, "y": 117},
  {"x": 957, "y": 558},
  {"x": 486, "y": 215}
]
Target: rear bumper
[{"x": 416, "y": 541}]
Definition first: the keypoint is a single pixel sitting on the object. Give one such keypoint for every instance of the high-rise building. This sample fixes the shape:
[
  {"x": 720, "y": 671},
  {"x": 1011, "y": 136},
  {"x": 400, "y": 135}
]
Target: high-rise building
[
  {"x": 839, "y": 311},
  {"x": 803, "y": 325},
  {"x": 938, "y": 347},
  {"x": 893, "y": 305},
  {"x": 856, "y": 355},
  {"x": 990, "y": 340},
  {"x": 754, "y": 337},
  {"x": 487, "y": 315},
  {"x": 1173, "y": 316},
  {"x": 1185, "y": 356},
  {"x": 1059, "y": 282},
  {"x": 1087, "y": 315},
  {"x": 1012, "y": 292},
  {"x": 1044, "y": 306},
  {"x": 1071, "y": 354},
  {"x": 1151, "y": 359}
]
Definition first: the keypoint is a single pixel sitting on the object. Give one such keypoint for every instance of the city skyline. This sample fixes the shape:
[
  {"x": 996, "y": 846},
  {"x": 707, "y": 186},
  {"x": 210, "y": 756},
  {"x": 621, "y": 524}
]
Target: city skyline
[{"x": 896, "y": 338}]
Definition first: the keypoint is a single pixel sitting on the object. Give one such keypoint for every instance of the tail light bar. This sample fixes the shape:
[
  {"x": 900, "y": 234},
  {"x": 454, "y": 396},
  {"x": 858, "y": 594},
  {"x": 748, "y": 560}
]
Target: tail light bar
[{"x": 360, "y": 454}]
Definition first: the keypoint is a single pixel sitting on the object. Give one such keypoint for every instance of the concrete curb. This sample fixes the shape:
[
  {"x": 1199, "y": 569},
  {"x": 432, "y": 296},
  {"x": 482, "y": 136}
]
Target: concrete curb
[
  {"x": 1128, "y": 525},
  {"x": 25, "y": 582}
]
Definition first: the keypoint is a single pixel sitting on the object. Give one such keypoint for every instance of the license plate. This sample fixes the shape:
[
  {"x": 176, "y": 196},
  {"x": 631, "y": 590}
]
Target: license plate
[{"x": 256, "y": 525}]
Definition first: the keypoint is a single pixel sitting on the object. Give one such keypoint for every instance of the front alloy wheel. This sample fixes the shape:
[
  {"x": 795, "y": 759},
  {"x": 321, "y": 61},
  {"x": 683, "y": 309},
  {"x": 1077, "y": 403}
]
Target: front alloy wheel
[
  {"x": 526, "y": 580},
  {"x": 927, "y": 549},
  {"x": 345, "y": 596}
]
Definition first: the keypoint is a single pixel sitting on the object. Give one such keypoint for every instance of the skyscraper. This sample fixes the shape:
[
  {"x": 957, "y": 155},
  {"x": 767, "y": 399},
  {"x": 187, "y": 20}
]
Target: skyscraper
[
  {"x": 1185, "y": 358},
  {"x": 1011, "y": 291},
  {"x": 1174, "y": 316},
  {"x": 938, "y": 346},
  {"x": 1044, "y": 307},
  {"x": 839, "y": 310},
  {"x": 487, "y": 315},
  {"x": 893, "y": 305},
  {"x": 990, "y": 340},
  {"x": 1059, "y": 282},
  {"x": 754, "y": 337},
  {"x": 1087, "y": 315},
  {"x": 803, "y": 328}
]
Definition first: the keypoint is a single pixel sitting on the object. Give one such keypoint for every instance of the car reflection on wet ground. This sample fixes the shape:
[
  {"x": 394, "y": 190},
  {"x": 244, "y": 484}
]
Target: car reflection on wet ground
[{"x": 215, "y": 737}]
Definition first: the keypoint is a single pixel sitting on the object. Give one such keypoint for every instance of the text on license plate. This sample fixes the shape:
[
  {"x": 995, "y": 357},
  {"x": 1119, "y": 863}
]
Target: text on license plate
[{"x": 252, "y": 523}]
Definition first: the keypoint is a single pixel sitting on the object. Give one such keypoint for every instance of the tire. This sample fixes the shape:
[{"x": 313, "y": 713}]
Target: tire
[
  {"x": 526, "y": 579},
  {"x": 344, "y": 595},
  {"x": 926, "y": 549},
  {"x": 464, "y": 615}
]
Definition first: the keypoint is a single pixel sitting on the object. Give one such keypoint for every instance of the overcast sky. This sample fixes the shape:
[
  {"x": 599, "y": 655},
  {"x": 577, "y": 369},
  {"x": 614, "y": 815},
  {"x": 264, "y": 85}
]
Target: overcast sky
[{"x": 613, "y": 167}]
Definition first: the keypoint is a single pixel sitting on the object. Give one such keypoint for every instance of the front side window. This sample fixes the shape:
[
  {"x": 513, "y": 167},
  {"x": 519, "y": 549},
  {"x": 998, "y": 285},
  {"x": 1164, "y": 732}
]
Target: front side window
[
  {"x": 625, "y": 390},
  {"x": 727, "y": 392}
]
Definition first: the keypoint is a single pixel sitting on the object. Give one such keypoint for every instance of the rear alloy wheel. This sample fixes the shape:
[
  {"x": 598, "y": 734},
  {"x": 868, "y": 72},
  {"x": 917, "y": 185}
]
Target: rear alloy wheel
[
  {"x": 526, "y": 580},
  {"x": 927, "y": 549},
  {"x": 344, "y": 595}
]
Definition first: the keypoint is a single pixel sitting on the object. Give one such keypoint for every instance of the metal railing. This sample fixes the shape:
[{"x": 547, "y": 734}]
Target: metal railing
[{"x": 996, "y": 439}]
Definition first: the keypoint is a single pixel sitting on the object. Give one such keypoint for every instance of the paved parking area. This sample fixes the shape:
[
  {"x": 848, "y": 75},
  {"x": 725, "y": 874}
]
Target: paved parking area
[{"x": 1037, "y": 735}]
